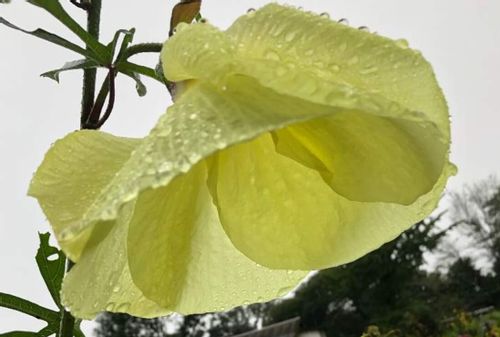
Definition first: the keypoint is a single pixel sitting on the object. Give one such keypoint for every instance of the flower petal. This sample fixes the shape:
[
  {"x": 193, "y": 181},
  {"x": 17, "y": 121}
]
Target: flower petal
[
  {"x": 368, "y": 158},
  {"x": 181, "y": 257},
  {"x": 281, "y": 213},
  {"x": 101, "y": 279},
  {"x": 74, "y": 172}
]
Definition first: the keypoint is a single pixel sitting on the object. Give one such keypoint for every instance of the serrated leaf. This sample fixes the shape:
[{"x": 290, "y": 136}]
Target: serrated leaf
[
  {"x": 185, "y": 11},
  {"x": 52, "y": 269},
  {"x": 73, "y": 65},
  {"x": 47, "y": 36}
]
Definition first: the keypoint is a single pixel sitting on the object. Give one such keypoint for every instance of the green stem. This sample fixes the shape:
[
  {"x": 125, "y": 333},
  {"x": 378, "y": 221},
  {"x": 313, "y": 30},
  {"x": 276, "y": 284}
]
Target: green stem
[
  {"x": 67, "y": 327},
  {"x": 89, "y": 75}
]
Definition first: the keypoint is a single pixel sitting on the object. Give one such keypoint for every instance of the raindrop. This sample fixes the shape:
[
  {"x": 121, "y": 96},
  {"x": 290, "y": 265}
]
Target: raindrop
[
  {"x": 364, "y": 29},
  {"x": 353, "y": 60},
  {"x": 272, "y": 55},
  {"x": 369, "y": 70},
  {"x": 116, "y": 289},
  {"x": 344, "y": 21},
  {"x": 251, "y": 11},
  {"x": 110, "y": 306},
  {"x": 335, "y": 68},
  {"x": 289, "y": 36},
  {"x": 325, "y": 15},
  {"x": 123, "y": 307},
  {"x": 281, "y": 71},
  {"x": 402, "y": 43}
]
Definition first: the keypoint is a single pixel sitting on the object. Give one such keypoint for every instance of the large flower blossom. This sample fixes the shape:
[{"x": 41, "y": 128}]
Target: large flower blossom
[{"x": 295, "y": 143}]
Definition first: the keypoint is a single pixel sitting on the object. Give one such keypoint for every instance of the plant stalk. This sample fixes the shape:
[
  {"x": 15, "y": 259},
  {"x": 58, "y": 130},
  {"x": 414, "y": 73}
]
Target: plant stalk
[
  {"x": 67, "y": 327},
  {"x": 89, "y": 75}
]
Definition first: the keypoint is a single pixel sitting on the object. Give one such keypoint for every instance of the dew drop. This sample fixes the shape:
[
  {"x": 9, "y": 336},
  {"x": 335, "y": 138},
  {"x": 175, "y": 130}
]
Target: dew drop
[
  {"x": 272, "y": 55},
  {"x": 353, "y": 60},
  {"x": 281, "y": 71},
  {"x": 193, "y": 116},
  {"x": 325, "y": 15},
  {"x": 364, "y": 29},
  {"x": 344, "y": 21},
  {"x": 123, "y": 307},
  {"x": 110, "y": 306},
  {"x": 289, "y": 36},
  {"x": 402, "y": 43},
  {"x": 369, "y": 70},
  {"x": 116, "y": 289},
  {"x": 251, "y": 11}
]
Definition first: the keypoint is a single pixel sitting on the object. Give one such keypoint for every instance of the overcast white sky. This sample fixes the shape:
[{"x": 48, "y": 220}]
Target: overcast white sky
[{"x": 461, "y": 38}]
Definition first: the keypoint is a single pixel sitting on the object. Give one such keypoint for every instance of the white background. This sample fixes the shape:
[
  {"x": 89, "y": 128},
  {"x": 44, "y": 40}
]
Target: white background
[{"x": 461, "y": 38}]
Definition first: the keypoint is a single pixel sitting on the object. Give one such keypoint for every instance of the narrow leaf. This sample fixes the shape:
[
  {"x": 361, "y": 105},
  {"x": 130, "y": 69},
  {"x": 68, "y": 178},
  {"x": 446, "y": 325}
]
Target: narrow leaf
[
  {"x": 28, "y": 308},
  {"x": 54, "y": 7},
  {"x": 51, "y": 263},
  {"x": 127, "y": 40},
  {"x": 73, "y": 65},
  {"x": 139, "y": 85},
  {"x": 47, "y": 36},
  {"x": 22, "y": 334},
  {"x": 185, "y": 11}
]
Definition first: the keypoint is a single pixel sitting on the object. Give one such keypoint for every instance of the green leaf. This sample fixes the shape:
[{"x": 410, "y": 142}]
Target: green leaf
[
  {"x": 139, "y": 85},
  {"x": 73, "y": 65},
  {"x": 4, "y": 2},
  {"x": 28, "y": 308},
  {"x": 47, "y": 36},
  {"x": 126, "y": 67},
  {"x": 54, "y": 7},
  {"x": 128, "y": 38},
  {"x": 51, "y": 263}
]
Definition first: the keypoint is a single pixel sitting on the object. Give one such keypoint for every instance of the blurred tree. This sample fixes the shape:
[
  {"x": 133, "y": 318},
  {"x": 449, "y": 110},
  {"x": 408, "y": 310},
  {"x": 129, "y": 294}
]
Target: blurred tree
[
  {"x": 122, "y": 325},
  {"x": 386, "y": 288}
]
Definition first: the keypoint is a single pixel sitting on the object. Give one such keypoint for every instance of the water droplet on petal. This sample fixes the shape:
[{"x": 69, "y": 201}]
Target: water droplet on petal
[
  {"x": 272, "y": 55},
  {"x": 353, "y": 60},
  {"x": 325, "y": 15},
  {"x": 364, "y": 29},
  {"x": 251, "y": 11},
  {"x": 402, "y": 43},
  {"x": 123, "y": 307},
  {"x": 281, "y": 71},
  {"x": 110, "y": 306},
  {"x": 116, "y": 289},
  {"x": 289, "y": 36},
  {"x": 368, "y": 70},
  {"x": 344, "y": 21}
]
